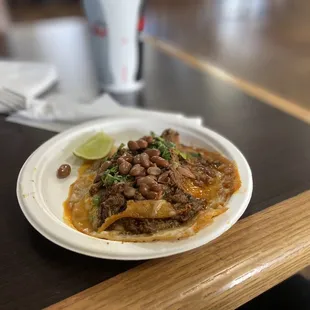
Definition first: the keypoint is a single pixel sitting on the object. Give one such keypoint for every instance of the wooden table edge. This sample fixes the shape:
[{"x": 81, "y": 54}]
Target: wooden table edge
[
  {"x": 257, "y": 253},
  {"x": 264, "y": 95}
]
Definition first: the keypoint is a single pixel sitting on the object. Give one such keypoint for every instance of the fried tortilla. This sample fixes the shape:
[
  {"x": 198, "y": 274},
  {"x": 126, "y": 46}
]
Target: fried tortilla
[{"x": 154, "y": 189}]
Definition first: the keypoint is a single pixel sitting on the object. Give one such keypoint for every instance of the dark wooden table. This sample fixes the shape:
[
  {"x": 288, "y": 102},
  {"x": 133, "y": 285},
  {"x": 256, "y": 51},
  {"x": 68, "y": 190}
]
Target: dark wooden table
[{"x": 36, "y": 273}]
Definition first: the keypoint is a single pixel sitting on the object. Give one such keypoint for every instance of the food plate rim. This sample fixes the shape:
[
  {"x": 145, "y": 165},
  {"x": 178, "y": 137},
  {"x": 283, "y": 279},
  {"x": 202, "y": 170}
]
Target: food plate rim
[{"x": 29, "y": 205}]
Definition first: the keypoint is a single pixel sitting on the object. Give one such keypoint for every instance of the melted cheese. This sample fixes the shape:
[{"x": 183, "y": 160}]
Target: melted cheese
[{"x": 78, "y": 203}]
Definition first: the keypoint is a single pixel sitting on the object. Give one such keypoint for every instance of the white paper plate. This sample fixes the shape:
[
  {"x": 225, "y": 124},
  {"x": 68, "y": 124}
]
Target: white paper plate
[{"x": 41, "y": 194}]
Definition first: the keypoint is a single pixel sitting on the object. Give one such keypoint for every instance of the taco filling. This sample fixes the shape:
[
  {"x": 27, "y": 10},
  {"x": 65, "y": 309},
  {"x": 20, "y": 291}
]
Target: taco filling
[{"x": 153, "y": 189}]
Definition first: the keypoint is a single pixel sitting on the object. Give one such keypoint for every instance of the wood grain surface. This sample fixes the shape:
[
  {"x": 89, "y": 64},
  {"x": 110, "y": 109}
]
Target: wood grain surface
[{"x": 254, "y": 255}]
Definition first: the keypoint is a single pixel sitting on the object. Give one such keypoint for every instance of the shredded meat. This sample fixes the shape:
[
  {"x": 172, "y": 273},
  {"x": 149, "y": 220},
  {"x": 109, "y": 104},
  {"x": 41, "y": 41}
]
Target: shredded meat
[
  {"x": 147, "y": 226},
  {"x": 171, "y": 135},
  {"x": 186, "y": 205},
  {"x": 117, "y": 188},
  {"x": 176, "y": 195},
  {"x": 94, "y": 189},
  {"x": 113, "y": 205},
  {"x": 201, "y": 170}
]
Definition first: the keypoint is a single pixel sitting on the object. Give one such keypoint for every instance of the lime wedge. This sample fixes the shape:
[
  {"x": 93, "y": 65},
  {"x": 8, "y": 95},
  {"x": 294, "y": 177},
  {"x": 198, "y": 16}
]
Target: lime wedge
[{"x": 96, "y": 147}]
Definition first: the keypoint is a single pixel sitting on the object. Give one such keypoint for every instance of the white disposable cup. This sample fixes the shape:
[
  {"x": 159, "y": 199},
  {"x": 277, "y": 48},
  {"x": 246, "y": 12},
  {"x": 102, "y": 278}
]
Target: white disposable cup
[{"x": 113, "y": 25}]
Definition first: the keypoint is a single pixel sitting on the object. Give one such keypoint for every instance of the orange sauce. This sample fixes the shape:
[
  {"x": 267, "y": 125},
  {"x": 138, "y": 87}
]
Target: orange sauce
[
  {"x": 211, "y": 192},
  {"x": 67, "y": 209},
  {"x": 67, "y": 205},
  {"x": 216, "y": 191},
  {"x": 202, "y": 192}
]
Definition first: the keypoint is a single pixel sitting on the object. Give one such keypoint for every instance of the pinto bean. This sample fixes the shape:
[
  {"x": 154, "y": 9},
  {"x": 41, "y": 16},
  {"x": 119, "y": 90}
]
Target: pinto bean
[
  {"x": 128, "y": 157},
  {"x": 129, "y": 191},
  {"x": 144, "y": 189},
  {"x": 164, "y": 178},
  {"x": 156, "y": 188},
  {"x": 142, "y": 144},
  {"x": 120, "y": 160},
  {"x": 143, "y": 174},
  {"x": 104, "y": 166},
  {"x": 152, "y": 152},
  {"x": 124, "y": 167},
  {"x": 147, "y": 193},
  {"x": 133, "y": 145},
  {"x": 159, "y": 161},
  {"x": 151, "y": 195},
  {"x": 63, "y": 171},
  {"x": 137, "y": 159},
  {"x": 145, "y": 160},
  {"x": 148, "y": 180},
  {"x": 148, "y": 139},
  {"x": 154, "y": 171},
  {"x": 137, "y": 170}
]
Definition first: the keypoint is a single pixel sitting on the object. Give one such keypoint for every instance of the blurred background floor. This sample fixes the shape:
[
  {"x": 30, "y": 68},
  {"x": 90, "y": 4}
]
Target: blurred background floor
[{"x": 265, "y": 42}]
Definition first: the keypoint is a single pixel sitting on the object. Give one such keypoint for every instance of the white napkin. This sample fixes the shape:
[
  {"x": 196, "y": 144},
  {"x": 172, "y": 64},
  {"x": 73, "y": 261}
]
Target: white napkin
[
  {"x": 29, "y": 79},
  {"x": 59, "y": 112}
]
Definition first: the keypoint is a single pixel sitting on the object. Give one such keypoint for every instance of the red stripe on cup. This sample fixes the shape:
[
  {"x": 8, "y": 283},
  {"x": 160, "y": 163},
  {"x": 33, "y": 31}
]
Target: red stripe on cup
[{"x": 141, "y": 23}]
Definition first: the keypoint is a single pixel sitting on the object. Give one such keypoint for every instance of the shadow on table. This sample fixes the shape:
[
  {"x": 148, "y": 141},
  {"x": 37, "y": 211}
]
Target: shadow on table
[
  {"x": 67, "y": 272},
  {"x": 58, "y": 256}
]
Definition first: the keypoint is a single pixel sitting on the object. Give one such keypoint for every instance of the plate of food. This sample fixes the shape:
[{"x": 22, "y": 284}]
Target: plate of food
[{"x": 134, "y": 188}]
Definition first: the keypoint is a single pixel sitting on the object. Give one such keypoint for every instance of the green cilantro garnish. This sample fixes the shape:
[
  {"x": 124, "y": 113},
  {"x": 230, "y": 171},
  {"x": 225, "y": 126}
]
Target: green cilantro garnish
[
  {"x": 115, "y": 155},
  {"x": 197, "y": 155},
  {"x": 111, "y": 176},
  {"x": 182, "y": 154},
  {"x": 121, "y": 146},
  {"x": 162, "y": 145},
  {"x": 96, "y": 200}
]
